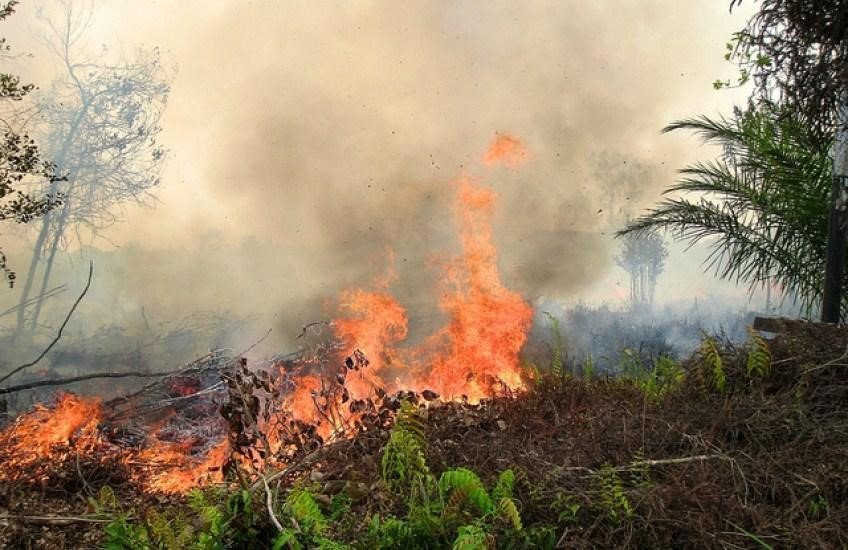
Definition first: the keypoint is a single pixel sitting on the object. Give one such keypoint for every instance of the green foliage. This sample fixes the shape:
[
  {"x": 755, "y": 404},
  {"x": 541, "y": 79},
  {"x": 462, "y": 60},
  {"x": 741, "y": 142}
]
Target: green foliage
[
  {"x": 404, "y": 465},
  {"x": 818, "y": 507},
  {"x": 759, "y": 356},
  {"x": 566, "y": 508},
  {"x": 762, "y": 206},
  {"x": 301, "y": 505},
  {"x": 589, "y": 368},
  {"x": 457, "y": 510},
  {"x": 713, "y": 363},
  {"x": 504, "y": 486},
  {"x": 465, "y": 483},
  {"x": 218, "y": 521},
  {"x": 390, "y": 532},
  {"x": 655, "y": 382},
  {"x": 472, "y": 537},
  {"x": 558, "y": 349},
  {"x": 21, "y": 161},
  {"x": 613, "y": 502}
]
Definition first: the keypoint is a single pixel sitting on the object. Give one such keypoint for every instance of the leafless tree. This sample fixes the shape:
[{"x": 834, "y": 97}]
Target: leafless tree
[{"x": 102, "y": 125}]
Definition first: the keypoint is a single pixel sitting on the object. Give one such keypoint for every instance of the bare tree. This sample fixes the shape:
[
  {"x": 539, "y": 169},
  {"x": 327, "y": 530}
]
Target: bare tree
[
  {"x": 102, "y": 128},
  {"x": 21, "y": 161},
  {"x": 642, "y": 255}
]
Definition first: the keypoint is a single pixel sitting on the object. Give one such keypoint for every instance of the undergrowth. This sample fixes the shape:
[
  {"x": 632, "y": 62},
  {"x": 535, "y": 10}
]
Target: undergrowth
[{"x": 667, "y": 454}]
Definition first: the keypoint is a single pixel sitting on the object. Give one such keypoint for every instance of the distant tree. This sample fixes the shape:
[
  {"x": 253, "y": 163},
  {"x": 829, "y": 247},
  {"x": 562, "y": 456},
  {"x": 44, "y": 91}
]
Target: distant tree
[
  {"x": 761, "y": 206},
  {"x": 642, "y": 255},
  {"x": 102, "y": 129},
  {"x": 21, "y": 162}
]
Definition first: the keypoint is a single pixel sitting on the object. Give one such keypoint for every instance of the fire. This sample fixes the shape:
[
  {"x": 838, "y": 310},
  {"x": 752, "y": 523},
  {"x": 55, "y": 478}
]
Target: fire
[
  {"x": 488, "y": 322},
  {"x": 505, "y": 150},
  {"x": 475, "y": 354},
  {"x": 36, "y": 434},
  {"x": 183, "y": 473},
  {"x": 375, "y": 321},
  {"x": 477, "y": 351}
]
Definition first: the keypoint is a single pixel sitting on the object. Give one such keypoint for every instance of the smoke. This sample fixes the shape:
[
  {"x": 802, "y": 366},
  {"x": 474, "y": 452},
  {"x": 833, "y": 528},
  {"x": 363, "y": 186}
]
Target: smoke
[{"x": 308, "y": 138}]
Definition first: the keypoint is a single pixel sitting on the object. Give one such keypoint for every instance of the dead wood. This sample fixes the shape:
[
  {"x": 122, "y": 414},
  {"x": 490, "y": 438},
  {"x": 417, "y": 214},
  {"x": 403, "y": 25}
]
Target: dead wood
[{"x": 59, "y": 333}]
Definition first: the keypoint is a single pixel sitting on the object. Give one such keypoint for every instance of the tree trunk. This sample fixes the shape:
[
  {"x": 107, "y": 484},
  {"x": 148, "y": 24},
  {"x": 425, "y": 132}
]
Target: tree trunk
[
  {"x": 33, "y": 267},
  {"x": 48, "y": 266},
  {"x": 835, "y": 254}
]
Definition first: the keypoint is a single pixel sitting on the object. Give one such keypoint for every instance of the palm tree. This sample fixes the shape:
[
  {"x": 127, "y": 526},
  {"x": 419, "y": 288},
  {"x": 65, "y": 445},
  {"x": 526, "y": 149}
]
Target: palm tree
[{"x": 762, "y": 206}]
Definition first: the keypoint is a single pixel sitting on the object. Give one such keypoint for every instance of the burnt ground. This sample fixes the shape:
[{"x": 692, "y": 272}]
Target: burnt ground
[{"x": 763, "y": 463}]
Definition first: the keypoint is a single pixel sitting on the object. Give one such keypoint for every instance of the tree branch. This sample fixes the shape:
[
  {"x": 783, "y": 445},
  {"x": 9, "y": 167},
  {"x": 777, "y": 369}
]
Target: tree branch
[{"x": 61, "y": 328}]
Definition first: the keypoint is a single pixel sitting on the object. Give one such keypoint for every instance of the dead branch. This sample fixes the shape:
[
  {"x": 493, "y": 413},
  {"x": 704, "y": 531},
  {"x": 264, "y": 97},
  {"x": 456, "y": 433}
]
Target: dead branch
[
  {"x": 58, "y": 334},
  {"x": 49, "y": 294},
  {"x": 72, "y": 379},
  {"x": 641, "y": 463},
  {"x": 269, "y": 504},
  {"x": 55, "y": 520}
]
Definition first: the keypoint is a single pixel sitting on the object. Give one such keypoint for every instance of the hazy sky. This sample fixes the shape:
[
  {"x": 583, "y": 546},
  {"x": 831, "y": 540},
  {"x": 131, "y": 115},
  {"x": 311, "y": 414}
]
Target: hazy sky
[{"x": 307, "y": 137}]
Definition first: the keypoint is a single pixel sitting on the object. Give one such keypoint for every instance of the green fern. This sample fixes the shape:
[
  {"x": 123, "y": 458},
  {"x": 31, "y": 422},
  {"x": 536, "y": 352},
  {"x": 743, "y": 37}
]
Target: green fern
[
  {"x": 509, "y": 510},
  {"x": 558, "y": 353},
  {"x": 471, "y": 537},
  {"x": 390, "y": 532},
  {"x": 404, "y": 465},
  {"x": 504, "y": 486},
  {"x": 302, "y": 506},
  {"x": 759, "y": 355},
  {"x": 714, "y": 364},
  {"x": 466, "y": 481},
  {"x": 614, "y": 502}
]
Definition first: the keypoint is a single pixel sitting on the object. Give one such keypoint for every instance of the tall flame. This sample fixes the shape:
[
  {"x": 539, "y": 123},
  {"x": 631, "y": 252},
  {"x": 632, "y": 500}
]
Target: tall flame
[{"x": 477, "y": 351}]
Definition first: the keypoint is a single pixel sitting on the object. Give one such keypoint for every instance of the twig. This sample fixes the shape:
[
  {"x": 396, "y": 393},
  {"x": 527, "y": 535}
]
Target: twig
[
  {"x": 654, "y": 462},
  {"x": 211, "y": 359},
  {"x": 310, "y": 325},
  {"x": 308, "y": 460},
  {"x": 833, "y": 362},
  {"x": 49, "y": 294},
  {"x": 55, "y": 520},
  {"x": 61, "y": 328},
  {"x": 269, "y": 504}
]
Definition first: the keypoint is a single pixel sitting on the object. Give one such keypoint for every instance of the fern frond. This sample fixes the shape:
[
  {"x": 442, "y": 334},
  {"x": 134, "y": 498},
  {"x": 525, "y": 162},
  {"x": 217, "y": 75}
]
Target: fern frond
[
  {"x": 713, "y": 362},
  {"x": 504, "y": 486},
  {"x": 510, "y": 511},
  {"x": 470, "y": 485},
  {"x": 471, "y": 537},
  {"x": 302, "y": 506},
  {"x": 759, "y": 355},
  {"x": 404, "y": 464}
]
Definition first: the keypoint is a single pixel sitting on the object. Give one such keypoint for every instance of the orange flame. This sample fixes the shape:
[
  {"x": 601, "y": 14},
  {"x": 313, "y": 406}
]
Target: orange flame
[
  {"x": 182, "y": 473},
  {"x": 488, "y": 323},
  {"x": 34, "y": 434},
  {"x": 506, "y": 150},
  {"x": 478, "y": 349}
]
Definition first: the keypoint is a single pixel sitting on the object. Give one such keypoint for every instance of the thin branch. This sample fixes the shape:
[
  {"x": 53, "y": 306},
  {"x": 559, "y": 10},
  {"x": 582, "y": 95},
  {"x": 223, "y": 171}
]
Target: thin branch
[
  {"x": 71, "y": 380},
  {"x": 269, "y": 504},
  {"x": 61, "y": 328},
  {"x": 55, "y": 520}
]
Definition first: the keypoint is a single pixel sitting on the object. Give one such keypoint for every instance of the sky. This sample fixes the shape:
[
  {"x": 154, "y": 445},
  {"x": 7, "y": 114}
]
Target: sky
[{"x": 306, "y": 139}]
